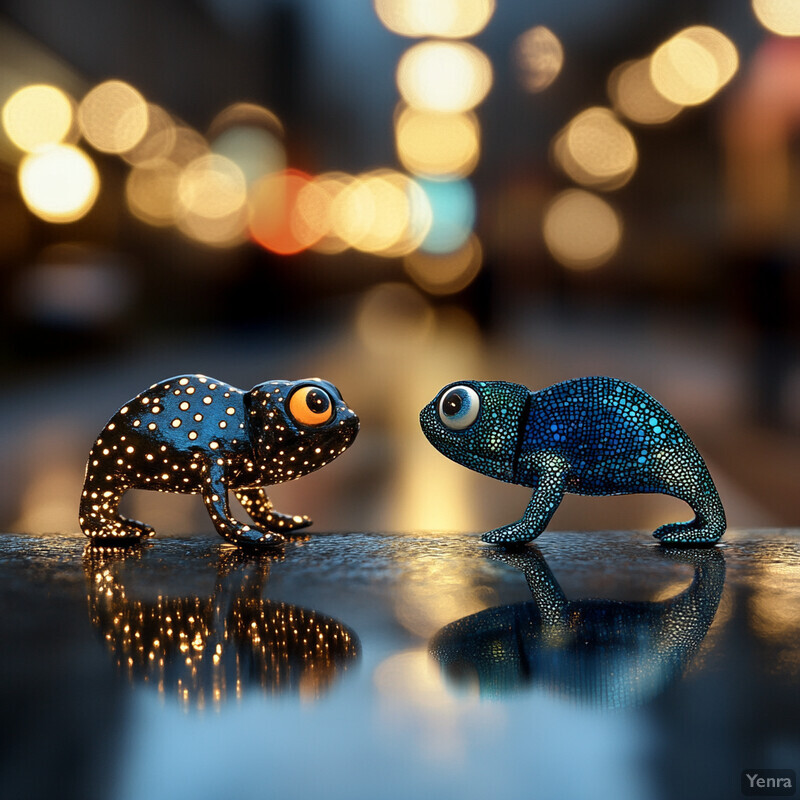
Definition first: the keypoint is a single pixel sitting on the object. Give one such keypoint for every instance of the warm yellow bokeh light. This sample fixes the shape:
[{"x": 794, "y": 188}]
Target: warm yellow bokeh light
[
  {"x": 719, "y": 46},
  {"x": 448, "y": 19},
  {"x": 212, "y": 187},
  {"x": 633, "y": 94},
  {"x": 581, "y": 230},
  {"x": 189, "y": 145},
  {"x": 310, "y": 219},
  {"x": 418, "y": 219},
  {"x": 431, "y": 143},
  {"x": 228, "y": 230},
  {"x": 390, "y": 218},
  {"x": 448, "y": 273},
  {"x": 596, "y": 149},
  {"x": 36, "y": 116},
  {"x": 113, "y": 117},
  {"x": 316, "y": 208},
  {"x": 59, "y": 184},
  {"x": 371, "y": 213},
  {"x": 151, "y": 191},
  {"x": 352, "y": 212},
  {"x": 159, "y": 139},
  {"x": 444, "y": 76},
  {"x": 779, "y": 16},
  {"x": 539, "y": 56},
  {"x": 684, "y": 72},
  {"x": 693, "y": 65},
  {"x": 381, "y": 212}
]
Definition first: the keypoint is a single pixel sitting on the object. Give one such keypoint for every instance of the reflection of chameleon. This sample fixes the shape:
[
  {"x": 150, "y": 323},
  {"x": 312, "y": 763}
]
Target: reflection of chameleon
[
  {"x": 602, "y": 652},
  {"x": 592, "y": 436},
  {"x": 207, "y": 648}
]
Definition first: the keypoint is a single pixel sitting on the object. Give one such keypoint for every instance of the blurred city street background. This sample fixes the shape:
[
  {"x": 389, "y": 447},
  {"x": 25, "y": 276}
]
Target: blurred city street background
[{"x": 394, "y": 195}]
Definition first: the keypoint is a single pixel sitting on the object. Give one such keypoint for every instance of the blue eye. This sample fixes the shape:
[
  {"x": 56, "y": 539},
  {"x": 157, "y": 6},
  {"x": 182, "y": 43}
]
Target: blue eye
[{"x": 459, "y": 407}]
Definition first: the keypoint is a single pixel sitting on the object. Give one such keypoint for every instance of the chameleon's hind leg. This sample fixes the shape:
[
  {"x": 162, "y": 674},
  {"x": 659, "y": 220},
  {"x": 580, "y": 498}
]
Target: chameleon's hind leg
[
  {"x": 706, "y": 528},
  {"x": 256, "y": 503},
  {"x": 99, "y": 518},
  {"x": 709, "y": 522},
  {"x": 549, "y": 491}
]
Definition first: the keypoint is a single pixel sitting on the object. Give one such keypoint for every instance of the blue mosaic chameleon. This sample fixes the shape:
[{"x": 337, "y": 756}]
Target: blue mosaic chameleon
[{"x": 591, "y": 436}]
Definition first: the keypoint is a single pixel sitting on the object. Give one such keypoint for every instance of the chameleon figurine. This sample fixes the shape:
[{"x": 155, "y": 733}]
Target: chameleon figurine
[
  {"x": 194, "y": 434},
  {"x": 590, "y": 436}
]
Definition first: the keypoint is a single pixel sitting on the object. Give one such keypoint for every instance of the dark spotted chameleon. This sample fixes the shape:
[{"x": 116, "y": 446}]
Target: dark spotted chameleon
[{"x": 194, "y": 434}]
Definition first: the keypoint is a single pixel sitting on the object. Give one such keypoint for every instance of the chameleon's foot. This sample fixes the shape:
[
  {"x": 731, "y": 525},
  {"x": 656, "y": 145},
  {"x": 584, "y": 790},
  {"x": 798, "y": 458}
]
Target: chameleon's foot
[
  {"x": 250, "y": 537},
  {"x": 516, "y": 533},
  {"x": 688, "y": 534},
  {"x": 117, "y": 532},
  {"x": 268, "y": 541},
  {"x": 275, "y": 521}
]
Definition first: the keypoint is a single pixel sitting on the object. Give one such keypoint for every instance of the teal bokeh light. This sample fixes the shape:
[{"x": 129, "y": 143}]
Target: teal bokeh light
[{"x": 453, "y": 207}]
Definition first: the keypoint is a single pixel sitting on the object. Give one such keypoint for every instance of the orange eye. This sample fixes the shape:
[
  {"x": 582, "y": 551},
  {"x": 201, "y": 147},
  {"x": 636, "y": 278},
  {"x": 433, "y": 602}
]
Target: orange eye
[{"x": 310, "y": 405}]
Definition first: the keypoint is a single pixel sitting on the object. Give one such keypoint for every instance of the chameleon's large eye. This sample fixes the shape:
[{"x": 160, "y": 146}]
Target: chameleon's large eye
[
  {"x": 459, "y": 407},
  {"x": 310, "y": 405}
]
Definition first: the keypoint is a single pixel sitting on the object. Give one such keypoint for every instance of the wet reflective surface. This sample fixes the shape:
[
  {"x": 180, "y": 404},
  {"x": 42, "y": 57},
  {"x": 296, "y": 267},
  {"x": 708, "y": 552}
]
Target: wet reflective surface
[
  {"x": 604, "y": 652},
  {"x": 372, "y": 665},
  {"x": 208, "y": 647}
]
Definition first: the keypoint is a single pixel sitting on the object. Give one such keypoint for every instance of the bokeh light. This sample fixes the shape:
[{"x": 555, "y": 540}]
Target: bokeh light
[
  {"x": 453, "y": 208},
  {"x": 38, "y": 115},
  {"x": 158, "y": 140},
  {"x": 453, "y": 19},
  {"x": 779, "y": 16},
  {"x": 693, "y": 65},
  {"x": 392, "y": 317},
  {"x": 113, "y": 117},
  {"x": 212, "y": 186},
  {"x": 151, "y": 191},
  {"x": 390, "y": 213},
  {"x": 245, "y": 115},
  {"x": 444, "y": 76},
  {"x": 317, "y": 209},
  {"x": 581, "y": 230},
  {"x": 539, "y": 57},
  {"x": 631, "y": 89},
  {"x": 276, "y": 222},
  {"x": 447, "y": 273},
  {"x": 224, "y": 231},
  {"x": 721, "y": 48},
  {"x": 432, "y": 143},
  {"x": 254, "y": 150},
  {"x": 379, "y": 212},
  {"x": 212, "y": 198},
  {"x": 250, "y": 136},
  {"x": 189, "y": 145},
  {"x": 59, "y": 184},
  {"x": 596, "y": 149}
]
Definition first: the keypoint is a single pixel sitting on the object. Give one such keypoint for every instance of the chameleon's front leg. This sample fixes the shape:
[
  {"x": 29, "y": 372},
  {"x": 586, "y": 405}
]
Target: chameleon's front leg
[
  {"x": 551, "y": 471},
  {"x": 214, "y": 491},
  {"x": 256, "y": 503}
]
